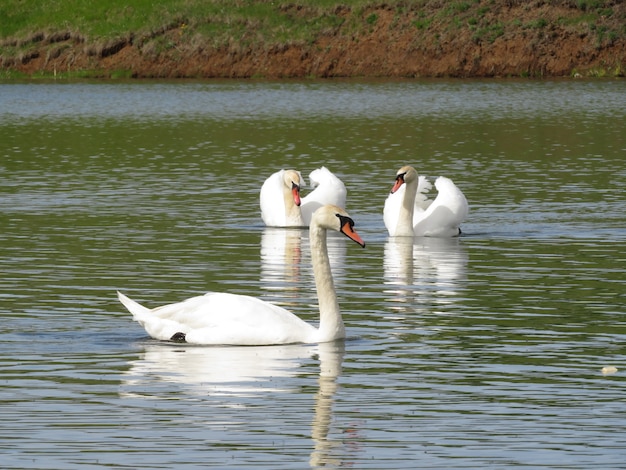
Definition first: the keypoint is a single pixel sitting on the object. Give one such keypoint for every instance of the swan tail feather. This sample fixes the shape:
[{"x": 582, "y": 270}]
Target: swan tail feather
[{"x": 138, "y": 311}]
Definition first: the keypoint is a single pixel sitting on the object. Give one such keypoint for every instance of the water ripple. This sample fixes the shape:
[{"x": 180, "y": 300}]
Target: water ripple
[{"x": 485, "y": 350}]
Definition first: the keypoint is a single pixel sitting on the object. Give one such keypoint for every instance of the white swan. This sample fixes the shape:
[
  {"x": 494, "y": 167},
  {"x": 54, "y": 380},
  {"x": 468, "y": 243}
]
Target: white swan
[
  {"x": 408, "y": 211},
  {"x": 222, "y": 318},
  {"x": 281, "y": 205},
  {"x": 280, "y": 199}
]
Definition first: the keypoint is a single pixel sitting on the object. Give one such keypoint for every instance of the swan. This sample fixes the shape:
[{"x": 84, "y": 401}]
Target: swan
[
  {"x": 282, "y": 205},
  {"x": 232, "y": 319},
  {"x": 408, "y": 211},
  {"x": 280, "y": 199}
]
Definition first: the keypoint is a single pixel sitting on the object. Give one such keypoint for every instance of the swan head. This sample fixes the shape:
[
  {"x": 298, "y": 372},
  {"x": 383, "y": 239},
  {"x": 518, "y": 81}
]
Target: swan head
[
  {"x": 293, "y": 181},
  {"x": 335, "y": 218},
  {"x": 406, "y": 174}
]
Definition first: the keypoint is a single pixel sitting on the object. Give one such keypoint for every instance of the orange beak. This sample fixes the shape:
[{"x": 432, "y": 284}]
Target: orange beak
[
  {"x": 399, "y": 182},
  {"x": 295, "y": 190},
  {"x": 348, "y": 230}
]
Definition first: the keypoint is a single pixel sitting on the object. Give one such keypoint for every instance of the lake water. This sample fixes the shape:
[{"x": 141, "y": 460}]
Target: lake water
[{"x": 484, "y": 351}]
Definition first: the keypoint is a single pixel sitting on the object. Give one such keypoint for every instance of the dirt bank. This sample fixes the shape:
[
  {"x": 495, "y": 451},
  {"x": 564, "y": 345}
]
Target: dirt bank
[{"x": 474, "y": 39}]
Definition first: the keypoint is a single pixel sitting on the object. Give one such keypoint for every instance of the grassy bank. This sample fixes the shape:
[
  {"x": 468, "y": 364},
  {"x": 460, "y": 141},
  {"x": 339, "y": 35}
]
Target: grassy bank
[
  {"x": 214, "y": 23},
  {"x": 81, "y": 36}
]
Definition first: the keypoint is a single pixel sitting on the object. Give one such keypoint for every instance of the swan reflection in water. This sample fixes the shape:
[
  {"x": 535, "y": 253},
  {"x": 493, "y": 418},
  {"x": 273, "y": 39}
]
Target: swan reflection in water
[
  {"x": 238, "y": 371},
  {"x": 424, "y": 270},
  {"x": 281, "y": 260},
  {"x": 286, "y": 272},
  {"x": 246, "y": 371},
  {"x": 286, "y": 262}
]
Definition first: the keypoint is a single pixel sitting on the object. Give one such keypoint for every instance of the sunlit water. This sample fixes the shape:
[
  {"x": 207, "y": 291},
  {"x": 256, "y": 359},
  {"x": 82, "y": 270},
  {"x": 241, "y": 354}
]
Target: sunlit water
[{"x": 482, "y": 351}]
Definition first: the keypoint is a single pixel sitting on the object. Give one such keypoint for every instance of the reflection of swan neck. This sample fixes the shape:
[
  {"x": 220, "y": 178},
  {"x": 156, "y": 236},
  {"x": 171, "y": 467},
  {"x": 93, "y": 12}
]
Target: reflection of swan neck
[
  {"x": 331, "y": 358},
  {"x": 405, "y": 218},
  {"x": 331, "y": 325}
]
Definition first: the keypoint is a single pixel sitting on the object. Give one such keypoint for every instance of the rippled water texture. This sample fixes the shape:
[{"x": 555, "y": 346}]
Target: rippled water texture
[{"x": 484, "y": 351}]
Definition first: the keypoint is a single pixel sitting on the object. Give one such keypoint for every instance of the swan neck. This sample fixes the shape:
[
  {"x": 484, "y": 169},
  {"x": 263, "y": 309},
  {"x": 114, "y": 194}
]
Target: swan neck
[
  {"x": 331, "y": 325},
  {"x": 405, "y": 218},
  {"x": 293, "y": 213}
]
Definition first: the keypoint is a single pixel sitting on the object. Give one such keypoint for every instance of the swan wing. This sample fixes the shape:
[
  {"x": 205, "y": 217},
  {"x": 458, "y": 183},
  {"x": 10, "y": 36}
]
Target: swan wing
[
  {"x": 452, "y": 197},
  {"x": 222, "y": 318},
  {"x": 329, "y": 189},
  {"x": 444, "y": 215}
]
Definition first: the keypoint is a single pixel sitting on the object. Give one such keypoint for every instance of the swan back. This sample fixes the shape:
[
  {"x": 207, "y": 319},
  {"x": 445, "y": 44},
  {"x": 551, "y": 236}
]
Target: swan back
[{"x": 222, "y": 318}]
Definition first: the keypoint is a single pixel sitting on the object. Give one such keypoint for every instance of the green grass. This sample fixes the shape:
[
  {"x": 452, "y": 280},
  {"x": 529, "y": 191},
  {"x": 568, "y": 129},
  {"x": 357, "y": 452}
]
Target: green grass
[
  {"x": 94, "y": 19},
  {"x": 109, "y": 19},
  {"x": 221, "y": 21},
  {"x": 216, "y": 23}
]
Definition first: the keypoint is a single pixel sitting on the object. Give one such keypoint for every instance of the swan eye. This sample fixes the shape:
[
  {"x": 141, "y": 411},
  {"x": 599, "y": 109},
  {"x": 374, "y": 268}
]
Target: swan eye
[
  {"x": 343, "y": 220},
  {"x": 401, "y": 176}
]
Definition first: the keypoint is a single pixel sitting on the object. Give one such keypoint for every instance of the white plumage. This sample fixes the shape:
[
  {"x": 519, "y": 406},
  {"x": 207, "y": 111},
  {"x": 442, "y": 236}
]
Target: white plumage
[
  {"x": 409, "y": 212},
  {"x": 223, "y": 318},
  {"x": 281, "y": 202}
]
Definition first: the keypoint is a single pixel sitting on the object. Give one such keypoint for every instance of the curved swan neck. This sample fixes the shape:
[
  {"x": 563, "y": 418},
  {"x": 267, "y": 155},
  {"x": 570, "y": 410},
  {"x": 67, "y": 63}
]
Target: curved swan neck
[
  {"x": 293, "y": 213},
  {"x": 405, "y": 217},
  {"x": 331, "y": 324}
]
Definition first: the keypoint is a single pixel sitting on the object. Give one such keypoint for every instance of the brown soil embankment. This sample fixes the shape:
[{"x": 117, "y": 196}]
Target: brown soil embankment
[{"x": 507, "y": 38}]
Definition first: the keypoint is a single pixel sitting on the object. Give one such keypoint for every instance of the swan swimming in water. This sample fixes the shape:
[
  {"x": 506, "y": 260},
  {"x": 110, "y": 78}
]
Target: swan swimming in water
[
  {"x": 282, "y": 205},
  {"x": 408, "y": 211},
  {"x": 232, "y": 319}
]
